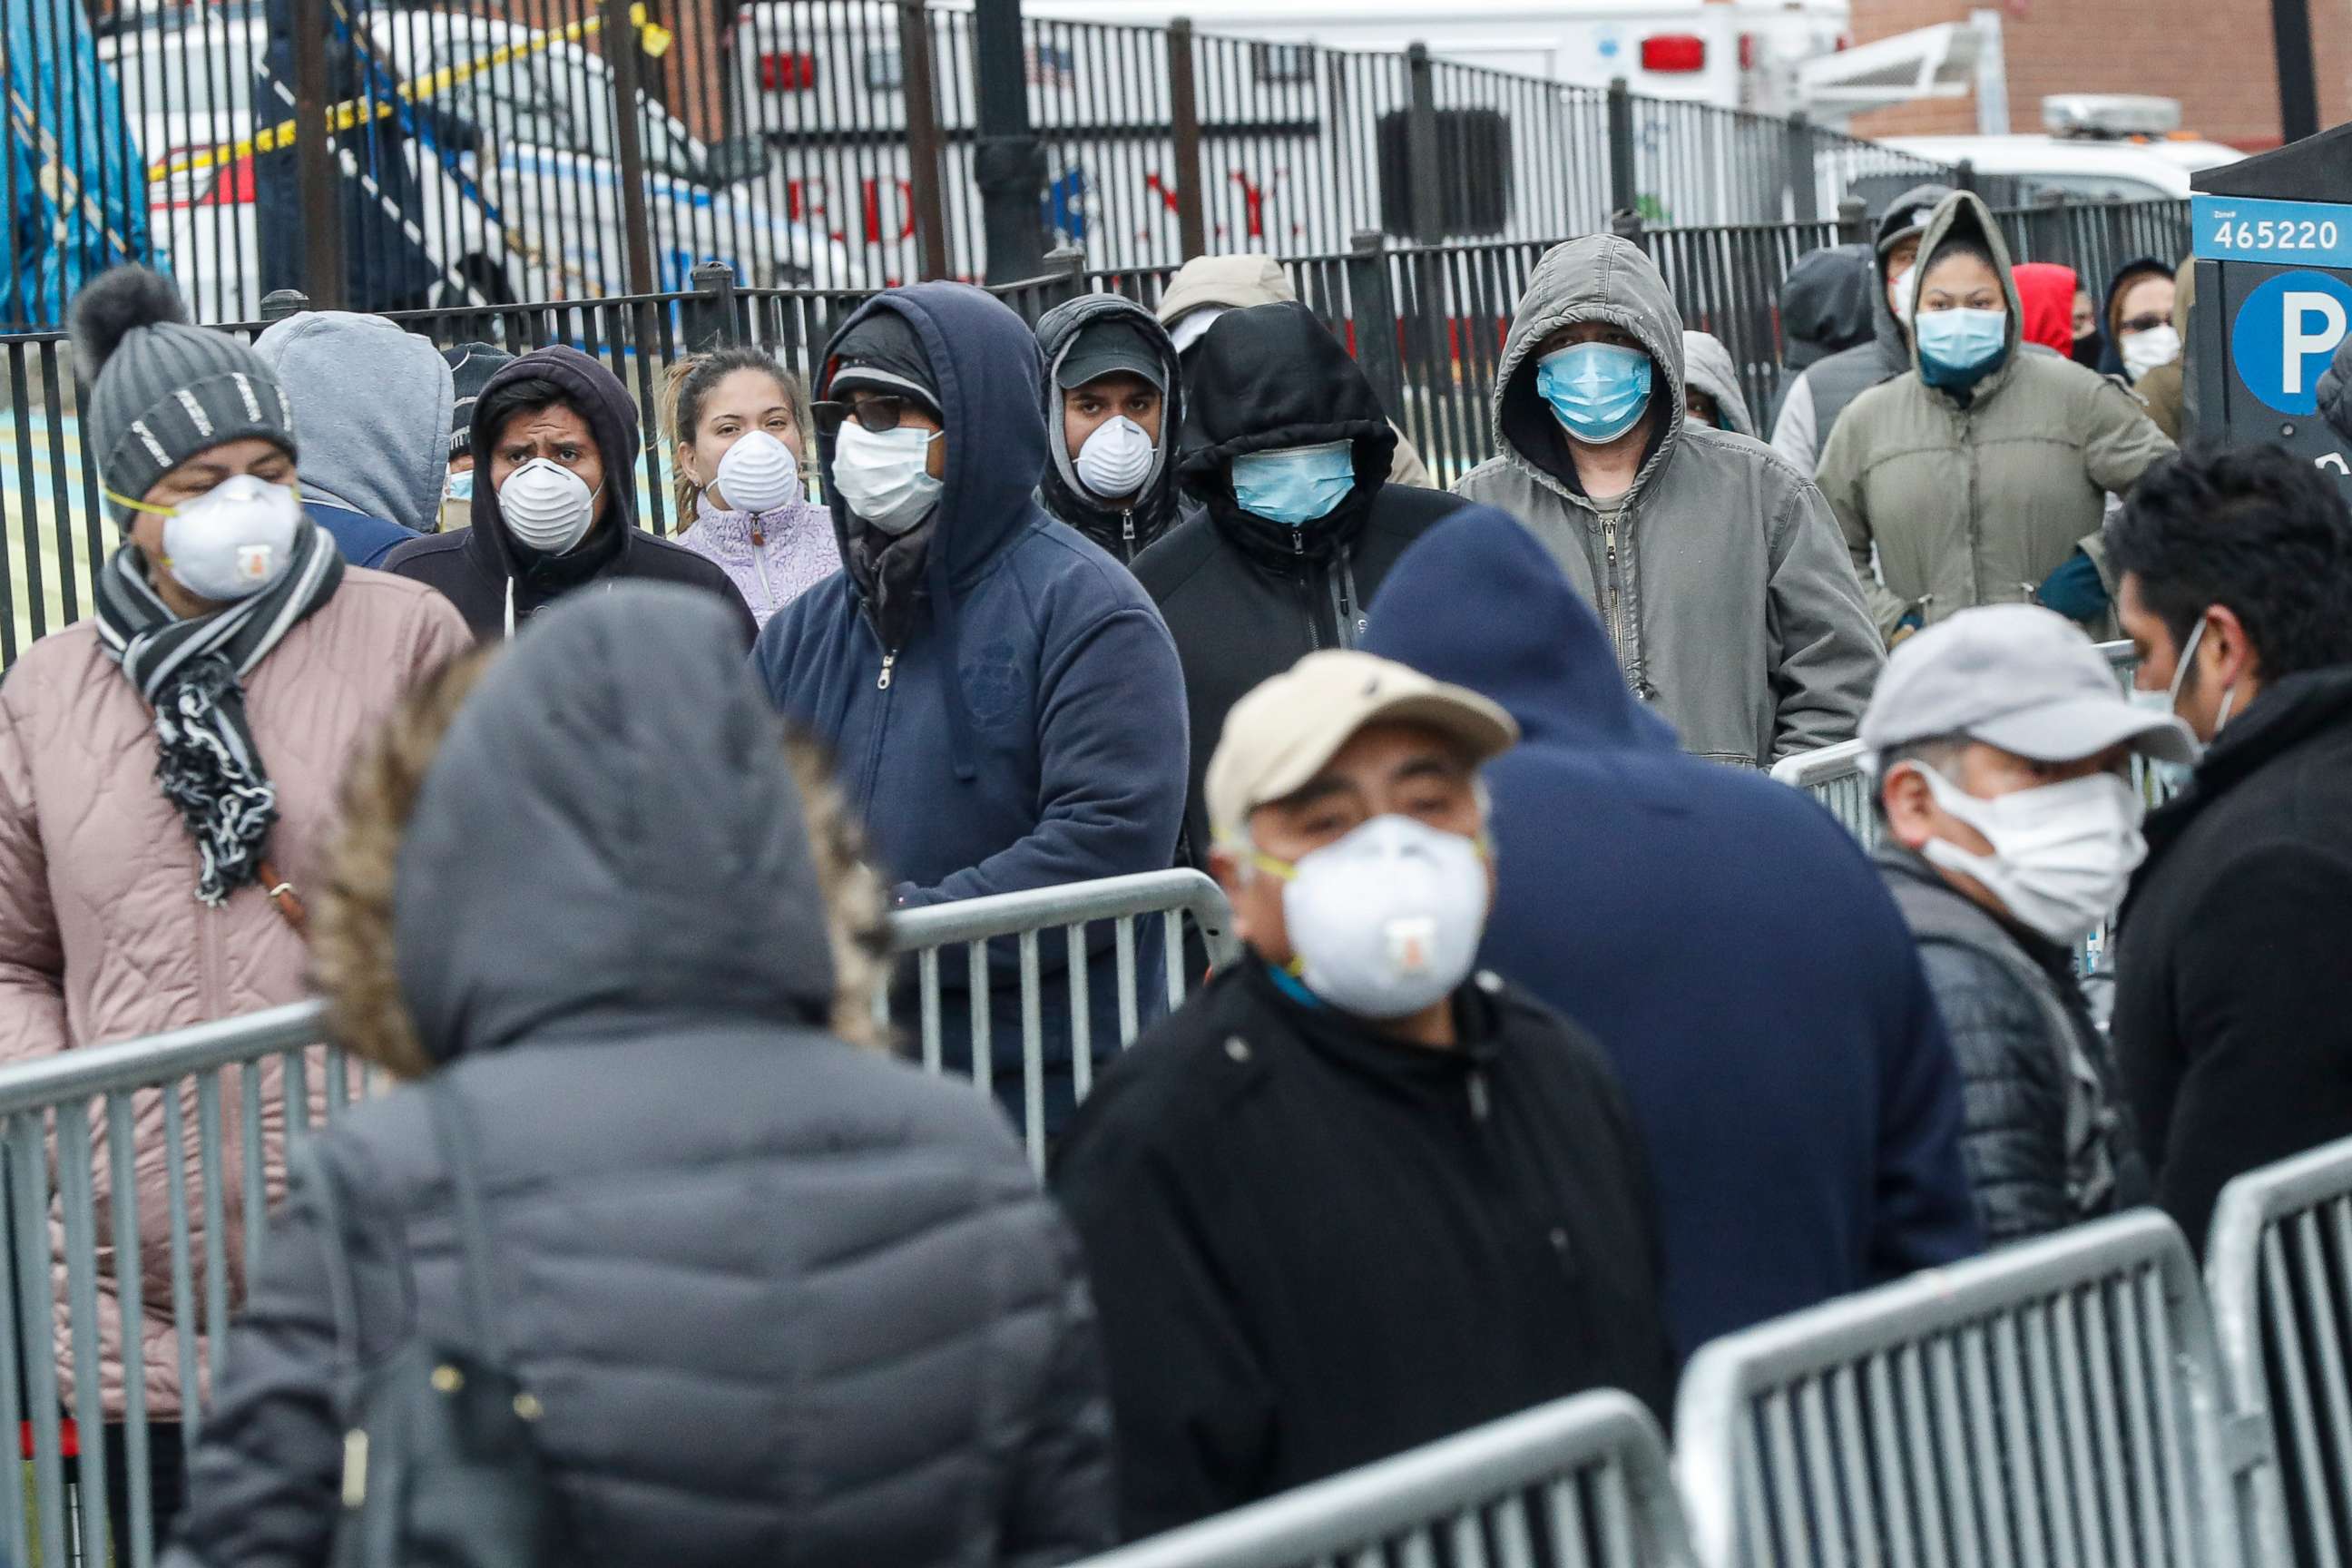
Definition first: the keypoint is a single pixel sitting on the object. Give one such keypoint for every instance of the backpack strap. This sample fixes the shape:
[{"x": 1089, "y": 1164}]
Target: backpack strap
[{"x": 451, "y": 1130}]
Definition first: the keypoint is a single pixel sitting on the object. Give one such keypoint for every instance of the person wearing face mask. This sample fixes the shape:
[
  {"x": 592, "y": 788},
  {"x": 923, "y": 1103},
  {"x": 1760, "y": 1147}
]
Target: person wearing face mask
[
  {"x": 1115, "y": 406},
  {"x": 1356, "y": 1195},
  {"x": 1827, "y": 306},
  {"x": 1981, "y": 476},
  {"x": 2164, "y": 386},
  {"x": 742, "y": 422},
  {"x": 1006, "y": 704},
  {"x": 2230, "y": 1023},
  {"x": 1787, "y": 1070},
  {"x": 2002, "y": 749},
  {"x": 2137, "y": 319},
  {"x": 1713, "y": 563},
  {"x": 1711, "y": 394},
  {"x": 554, "y": 504},
  {"x": 471, "y": 365},
  {"x": 376, "y": 410},
  {"x": 2045, "y": 296},
  {"x": 169, "y": 767},
  {"x": 1287, "y": 449},
  {"x": 1815, "y": 401}
]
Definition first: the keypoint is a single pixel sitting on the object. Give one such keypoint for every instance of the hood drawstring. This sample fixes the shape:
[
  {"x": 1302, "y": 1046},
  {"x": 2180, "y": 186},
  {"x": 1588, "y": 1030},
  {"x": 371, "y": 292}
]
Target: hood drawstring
[{"x": 510, "y": 606}]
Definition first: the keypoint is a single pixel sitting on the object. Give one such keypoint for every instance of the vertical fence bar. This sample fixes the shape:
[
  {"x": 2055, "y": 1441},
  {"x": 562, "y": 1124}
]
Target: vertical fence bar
[
  {"x": 621, "y": 54},
  {"x": 923, "y": 172},
  {"x": 1374, "y": 309},
  {"x": 78, "y": 1209},
  {"x": 1423, "y": 158},
  {"x": 1797, "y": 170},
  {"x": 1184, "y": 131},
  {"x": 1625, "y": 180},
  {"x": 29, "y": 1178},
  {"x": 314, "y": 159}
]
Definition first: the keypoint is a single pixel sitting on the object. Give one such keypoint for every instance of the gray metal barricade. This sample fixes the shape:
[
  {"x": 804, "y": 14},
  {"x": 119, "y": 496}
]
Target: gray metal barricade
[
  {"x": 2058, "y": 1403},
  {"x": 1580, "y": 1483},
  {"x": 1837, "y": 778},
  {"x": 1026, "y": 917},
  {"x": 213, "y": 1107},
  {"x": 2278, "y": 1271}
]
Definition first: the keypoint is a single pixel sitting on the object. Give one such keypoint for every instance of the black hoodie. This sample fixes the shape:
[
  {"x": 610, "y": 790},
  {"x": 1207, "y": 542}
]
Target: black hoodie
[
  {"x": 1125, "y": 531},
  {"x": 1246, "y": 598},
  {"x": 489, "y": 576}
]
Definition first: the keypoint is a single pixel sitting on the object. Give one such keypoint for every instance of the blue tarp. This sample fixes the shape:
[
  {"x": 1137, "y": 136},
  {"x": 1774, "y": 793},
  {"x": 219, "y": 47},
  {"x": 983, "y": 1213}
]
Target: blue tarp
[{"x": 75, "y": 189}]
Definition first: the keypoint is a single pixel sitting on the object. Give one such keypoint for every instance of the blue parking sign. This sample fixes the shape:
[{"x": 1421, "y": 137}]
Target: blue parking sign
[{"x": 2284, "y": 334}]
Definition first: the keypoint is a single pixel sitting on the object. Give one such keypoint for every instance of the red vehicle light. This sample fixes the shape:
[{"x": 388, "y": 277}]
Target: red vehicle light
[
  {"x": 788, "y": 71},
  {"x": 1674, "y": 53}
]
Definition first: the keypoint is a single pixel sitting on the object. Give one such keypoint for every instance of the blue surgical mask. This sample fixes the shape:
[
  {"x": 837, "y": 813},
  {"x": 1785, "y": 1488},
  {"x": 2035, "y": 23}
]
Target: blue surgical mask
[
  {"x": 1960, "y": 348},
  {"x": 1597, "y": 391},
  {"x": 460, "y": 487},
  {"x": 1295, "y": 485}
]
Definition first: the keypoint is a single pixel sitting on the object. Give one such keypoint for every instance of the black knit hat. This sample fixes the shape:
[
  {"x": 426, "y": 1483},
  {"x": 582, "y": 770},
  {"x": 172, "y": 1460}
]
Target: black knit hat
[
  {"x": 161, "y": 391},
  {"x": 880, "y": 352},
  {"x": 471, "y": 365}
]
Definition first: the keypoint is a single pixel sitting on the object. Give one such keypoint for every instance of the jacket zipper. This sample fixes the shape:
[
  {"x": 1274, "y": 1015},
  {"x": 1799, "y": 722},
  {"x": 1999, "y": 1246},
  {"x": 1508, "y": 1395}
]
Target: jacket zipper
[
  {"x": 767, "y": 589},
  {"x": 1608, "y": 541},
  {"x": 1306, "y": 589},
  {"x": 1127, "y": 533},
  {"x": 1976, "y": 523},
  {"x": 1479, "y": 1101},
  {"x": 889, "y": 658},
  {"x": 209, "y": 955}
]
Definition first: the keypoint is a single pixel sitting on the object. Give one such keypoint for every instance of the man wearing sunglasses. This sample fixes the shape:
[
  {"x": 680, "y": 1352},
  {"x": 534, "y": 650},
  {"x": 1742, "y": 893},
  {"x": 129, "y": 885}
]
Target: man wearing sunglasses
[{"x": 1004, "y": 700}]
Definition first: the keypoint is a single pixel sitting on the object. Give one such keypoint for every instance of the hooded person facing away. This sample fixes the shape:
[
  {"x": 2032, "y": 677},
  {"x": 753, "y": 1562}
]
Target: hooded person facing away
[
  {"x": 1287, "y": 448},
  {"x": 1114, "y": 407},
  {"x": 1813, "y": 402},
  {"x": 1208, "y": 287},
  {"x": 1829, "y": 302},
  {"x": 555, "y": 445},
  {"x": 1006, "y": 703},
  {"x": 1981, "y": 475},
  {"x": 1714, "y": 565},
  {"x": 1787, "y": 1073},
  {"x": 776, "y": 1297},
  {"x": 374, "y": 404}
]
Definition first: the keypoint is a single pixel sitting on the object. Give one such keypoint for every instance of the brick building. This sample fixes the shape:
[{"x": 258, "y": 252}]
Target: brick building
[{"x": 2214, "y": 56}]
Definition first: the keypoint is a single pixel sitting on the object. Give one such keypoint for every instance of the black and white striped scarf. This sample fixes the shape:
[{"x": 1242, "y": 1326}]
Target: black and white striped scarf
[{"x": 190, "y": 673}]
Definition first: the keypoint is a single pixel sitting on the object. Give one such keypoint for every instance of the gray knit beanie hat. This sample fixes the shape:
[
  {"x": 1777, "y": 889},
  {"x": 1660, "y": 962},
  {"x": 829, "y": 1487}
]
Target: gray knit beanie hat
[{"x": 161, "y": 391}]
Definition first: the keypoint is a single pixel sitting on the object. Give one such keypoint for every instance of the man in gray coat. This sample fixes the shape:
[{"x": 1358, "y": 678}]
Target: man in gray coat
[{"x": 1715, "y": 565}]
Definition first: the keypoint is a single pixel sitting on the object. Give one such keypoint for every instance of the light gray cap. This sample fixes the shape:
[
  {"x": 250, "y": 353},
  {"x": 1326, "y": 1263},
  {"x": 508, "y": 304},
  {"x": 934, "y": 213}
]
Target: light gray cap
[{"x": 2018, "y": 677}]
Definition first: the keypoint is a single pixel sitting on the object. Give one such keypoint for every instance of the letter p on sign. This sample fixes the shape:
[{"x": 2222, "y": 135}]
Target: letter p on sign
[{"x": 2315, "y": 324}]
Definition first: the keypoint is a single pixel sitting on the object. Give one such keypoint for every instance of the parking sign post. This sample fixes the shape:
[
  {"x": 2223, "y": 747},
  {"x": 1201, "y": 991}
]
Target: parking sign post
[{"x": 2272, "y": 248}]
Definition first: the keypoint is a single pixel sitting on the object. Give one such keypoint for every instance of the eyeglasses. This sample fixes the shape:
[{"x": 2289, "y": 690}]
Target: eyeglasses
[
  {"x": 2147, "y": 323},
  {"x": 876, "y": 413}
]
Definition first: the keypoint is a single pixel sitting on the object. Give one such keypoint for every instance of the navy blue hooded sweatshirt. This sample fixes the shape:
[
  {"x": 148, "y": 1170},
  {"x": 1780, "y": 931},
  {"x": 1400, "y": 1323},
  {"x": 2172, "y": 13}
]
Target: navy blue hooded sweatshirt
[
  {"x": 1031, "y": 731},
  {"x": 1721, "y": 935}
]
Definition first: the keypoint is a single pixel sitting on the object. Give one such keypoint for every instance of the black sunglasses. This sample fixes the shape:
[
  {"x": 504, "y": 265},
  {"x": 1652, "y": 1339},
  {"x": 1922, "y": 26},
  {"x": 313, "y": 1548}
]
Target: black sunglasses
[{"x": 876, "y": 413}]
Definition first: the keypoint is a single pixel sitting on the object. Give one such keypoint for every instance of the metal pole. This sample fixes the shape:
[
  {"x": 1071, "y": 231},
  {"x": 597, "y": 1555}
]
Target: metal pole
[
  {"x": 314, "y": 160},
  {"x": 2298, "y": 91},
  {"x": 709, "y": 318},
  {"x": 280, "y": 304},
  {"x": 1184, "y": 127},
  {"x": 922, "y": 138},
  {"x": 621, "y": 54},
  {"x": 1853, "y": 220},
  {"x": 1009, "y": 164},
  {"x": 1374, "y": 304},
  {"x": 1428, "y": 204},
  {"x": 1624, "y": 186},
  {"x": 1804, "y": 184}
]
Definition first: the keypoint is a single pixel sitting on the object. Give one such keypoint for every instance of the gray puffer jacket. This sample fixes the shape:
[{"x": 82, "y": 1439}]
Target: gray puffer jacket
[
  {"x": 2046, "y": 1140},
  {"x": 781, "y": 1299},
  {"x": 1721, "y": 578}
]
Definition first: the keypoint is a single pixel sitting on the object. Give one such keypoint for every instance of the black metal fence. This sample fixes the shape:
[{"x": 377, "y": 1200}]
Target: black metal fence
[
  {"x": 1427, "y": 322},
  {"x": 484, "y": 156}
]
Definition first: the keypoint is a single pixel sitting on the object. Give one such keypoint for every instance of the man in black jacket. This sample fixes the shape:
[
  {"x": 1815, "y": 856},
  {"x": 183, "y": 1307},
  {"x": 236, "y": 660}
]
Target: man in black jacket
[
  {"x": 554, "y": 501},
  {"x": 1287, "y": 447},
  {"x": 2229, "y": 1020},
  {"x": 1353, "y": 1197},
  {"x": 2002, "y": 748},
  {"x": 1114, "y": 411}
]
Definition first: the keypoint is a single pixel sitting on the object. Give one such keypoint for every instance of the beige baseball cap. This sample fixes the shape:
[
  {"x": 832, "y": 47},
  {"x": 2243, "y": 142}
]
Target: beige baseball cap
[{"x": 1277, "y": 738}]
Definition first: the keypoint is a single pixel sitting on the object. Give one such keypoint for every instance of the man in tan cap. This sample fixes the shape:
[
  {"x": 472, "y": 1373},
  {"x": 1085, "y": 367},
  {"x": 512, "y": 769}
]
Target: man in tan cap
[{"x": 1353, "y": 1197}]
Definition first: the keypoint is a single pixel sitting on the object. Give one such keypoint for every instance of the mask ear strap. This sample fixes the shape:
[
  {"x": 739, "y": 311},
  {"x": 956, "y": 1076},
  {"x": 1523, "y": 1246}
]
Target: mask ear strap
[{"x": 139, "y": 505}]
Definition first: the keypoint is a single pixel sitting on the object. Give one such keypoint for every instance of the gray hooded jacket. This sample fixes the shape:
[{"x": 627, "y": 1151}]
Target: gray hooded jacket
[
  {"x": 782, "y": 1300},
  {"x": 1721, "y": 579},
  {"x": 1707, "y": 368},
  {"x": 371, "y": 403}
]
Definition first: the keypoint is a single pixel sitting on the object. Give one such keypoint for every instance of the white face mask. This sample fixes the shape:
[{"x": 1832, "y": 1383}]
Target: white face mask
[
  {"x": 1386, "y": 921},
  {"x": 2062, "y": 854},
  {"x": 759, "y": 474},
  {"x": 1901, "y": 287},
  {"x": 884, "y": 474},
  {"x": 547, "y": 506},
  {"x": 2142, "y": 352},
  {"x": 2176, "y": 775},
  {"x": 1115, "y": 458},
  {"x": 235, "y": 540}
]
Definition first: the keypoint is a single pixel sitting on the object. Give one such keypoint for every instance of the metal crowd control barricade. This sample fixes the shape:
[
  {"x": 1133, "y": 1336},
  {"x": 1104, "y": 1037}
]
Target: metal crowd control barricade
[
  {"x": 1578, "y": 1483},
  {"x": 1836, "y": 776},
  {"x": 2278, "y": 1271},
  {"x": 1026, "y": 917},
  {"x": 2057, "y": 1402}
]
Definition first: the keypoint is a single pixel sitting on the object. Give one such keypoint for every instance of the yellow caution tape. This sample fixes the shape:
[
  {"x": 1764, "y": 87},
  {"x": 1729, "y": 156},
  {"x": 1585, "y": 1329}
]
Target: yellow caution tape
[{"x": 653, "y": 38}]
